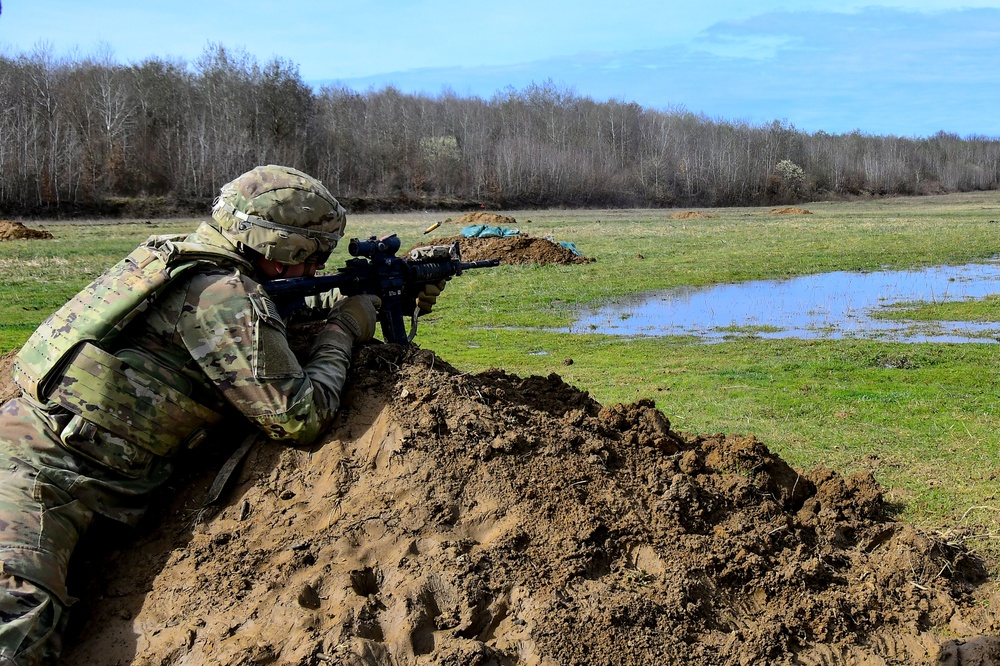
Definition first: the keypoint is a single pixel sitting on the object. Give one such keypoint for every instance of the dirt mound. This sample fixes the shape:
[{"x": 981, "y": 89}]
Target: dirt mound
[
  {"x": 491, "y": 519},
  {"x": 487, "y": 219},
  {"x": 8, "y": 389},
  {"x": 791, "y": 210},
  {"x": 513, "y": 250},
  {"x": 690, "y": 215},
  {"x": 10, "y": 230}
]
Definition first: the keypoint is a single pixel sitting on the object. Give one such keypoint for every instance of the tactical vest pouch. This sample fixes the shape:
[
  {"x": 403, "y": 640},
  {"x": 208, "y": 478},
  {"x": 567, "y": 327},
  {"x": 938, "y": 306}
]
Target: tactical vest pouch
[
  {"x": 144, "y": 362},
  {"x": 130, "y": 404},
  {"x": 105, "y": 449}
]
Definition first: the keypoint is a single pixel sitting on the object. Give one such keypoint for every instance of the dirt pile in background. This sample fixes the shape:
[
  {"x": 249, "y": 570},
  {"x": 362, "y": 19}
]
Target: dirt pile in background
[
  {"x": 487, "y": 219},
  {"x": 520, "y": 249},
  {"x": 690, "y": 215},
  {"x": 10, "y": 230},
  {"x": 513, "y": 250},
  {"x": 791, "y": 210},
  {"x": 490, "y": 519}
]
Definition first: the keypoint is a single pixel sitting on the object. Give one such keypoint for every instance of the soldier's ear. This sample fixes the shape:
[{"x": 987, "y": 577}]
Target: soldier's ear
[{"x": 269, "y": 267}]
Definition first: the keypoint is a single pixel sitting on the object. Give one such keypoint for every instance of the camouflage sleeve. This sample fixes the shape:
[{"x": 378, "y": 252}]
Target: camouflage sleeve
[{"x": 235, "y": 336}]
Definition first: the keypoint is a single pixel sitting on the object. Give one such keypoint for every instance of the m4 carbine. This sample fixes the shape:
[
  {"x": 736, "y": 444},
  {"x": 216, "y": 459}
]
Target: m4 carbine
[{"x": 375, "y": 269}]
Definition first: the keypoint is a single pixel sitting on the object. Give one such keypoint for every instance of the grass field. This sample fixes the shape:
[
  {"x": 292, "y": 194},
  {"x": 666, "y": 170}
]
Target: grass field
[{"x": 923, "y": 417}]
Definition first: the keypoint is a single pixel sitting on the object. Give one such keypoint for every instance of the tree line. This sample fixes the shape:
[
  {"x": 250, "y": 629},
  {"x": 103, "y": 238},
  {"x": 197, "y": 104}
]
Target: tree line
[{"x": 84, "y": 134}]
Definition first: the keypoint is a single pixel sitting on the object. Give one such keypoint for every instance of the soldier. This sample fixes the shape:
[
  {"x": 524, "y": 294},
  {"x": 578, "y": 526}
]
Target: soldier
[{"x": 142, "y": 364}]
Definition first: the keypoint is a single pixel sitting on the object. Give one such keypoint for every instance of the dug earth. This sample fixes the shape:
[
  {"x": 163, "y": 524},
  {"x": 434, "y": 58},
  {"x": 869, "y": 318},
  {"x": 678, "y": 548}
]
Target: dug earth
[{"x": 490, "y": 519}]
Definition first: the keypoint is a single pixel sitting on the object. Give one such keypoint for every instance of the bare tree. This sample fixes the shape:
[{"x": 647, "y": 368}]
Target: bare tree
[{"x": 80, "y": 131}]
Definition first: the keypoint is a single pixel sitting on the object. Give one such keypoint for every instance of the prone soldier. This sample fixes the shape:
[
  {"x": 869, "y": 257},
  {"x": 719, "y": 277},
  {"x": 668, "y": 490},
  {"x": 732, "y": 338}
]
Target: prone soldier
[{"x": 143, "y": 363}]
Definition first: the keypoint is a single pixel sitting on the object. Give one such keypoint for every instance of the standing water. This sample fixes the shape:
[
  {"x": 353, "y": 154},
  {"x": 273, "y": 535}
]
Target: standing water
[{"x": 828, "y": 305}]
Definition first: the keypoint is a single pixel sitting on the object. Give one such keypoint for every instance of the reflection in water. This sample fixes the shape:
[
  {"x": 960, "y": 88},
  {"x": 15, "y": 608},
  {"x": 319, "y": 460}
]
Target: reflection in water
[{"x": 829, "y": 305}]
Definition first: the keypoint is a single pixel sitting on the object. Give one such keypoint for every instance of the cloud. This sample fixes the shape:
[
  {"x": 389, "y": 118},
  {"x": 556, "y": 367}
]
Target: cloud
[{"x": 878, "y": 70}]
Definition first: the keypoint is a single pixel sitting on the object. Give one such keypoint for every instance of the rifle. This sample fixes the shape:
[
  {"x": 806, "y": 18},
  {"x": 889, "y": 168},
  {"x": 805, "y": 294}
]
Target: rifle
[{"x": 375, "y": 269}]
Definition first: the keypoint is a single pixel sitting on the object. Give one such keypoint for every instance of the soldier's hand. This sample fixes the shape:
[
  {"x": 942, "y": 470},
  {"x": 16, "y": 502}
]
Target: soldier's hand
[
  {"x": 428, "y": 296},
  {"x": 357, "y": 315}
]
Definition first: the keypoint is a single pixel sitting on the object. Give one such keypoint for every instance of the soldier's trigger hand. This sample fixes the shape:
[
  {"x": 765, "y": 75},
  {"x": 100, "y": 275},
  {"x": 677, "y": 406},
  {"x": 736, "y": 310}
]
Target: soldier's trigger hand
[
  {"x": 427, "y": 298},
  {"x": 357, "y": 315}
]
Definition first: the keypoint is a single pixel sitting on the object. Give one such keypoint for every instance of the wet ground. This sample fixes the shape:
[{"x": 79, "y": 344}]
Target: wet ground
[{"x": 829, "y": 305}]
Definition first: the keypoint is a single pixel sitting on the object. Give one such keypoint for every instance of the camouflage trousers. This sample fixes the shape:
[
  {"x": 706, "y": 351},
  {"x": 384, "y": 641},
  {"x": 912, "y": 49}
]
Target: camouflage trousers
[{"x": 40, "y": 526}]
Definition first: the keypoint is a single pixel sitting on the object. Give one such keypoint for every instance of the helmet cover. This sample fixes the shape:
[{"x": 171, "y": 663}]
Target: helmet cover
[{"x": 281, "y": 213}]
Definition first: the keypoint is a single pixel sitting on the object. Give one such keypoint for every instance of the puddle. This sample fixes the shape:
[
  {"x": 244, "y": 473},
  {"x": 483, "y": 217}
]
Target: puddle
[{"x": 829, "y": 305}]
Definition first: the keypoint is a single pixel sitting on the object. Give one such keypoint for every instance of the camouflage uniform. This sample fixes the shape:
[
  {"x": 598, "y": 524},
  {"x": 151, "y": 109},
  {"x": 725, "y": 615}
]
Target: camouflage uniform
[{"x": 211, "y": 338}]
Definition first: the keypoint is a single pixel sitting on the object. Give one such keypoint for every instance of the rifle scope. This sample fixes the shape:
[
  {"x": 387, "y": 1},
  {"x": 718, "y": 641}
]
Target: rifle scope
[{"x": 372, "y": 246}]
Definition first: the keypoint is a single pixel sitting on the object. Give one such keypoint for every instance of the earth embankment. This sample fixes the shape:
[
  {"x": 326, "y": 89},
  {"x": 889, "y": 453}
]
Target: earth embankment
[{"x": 455, "y": 518}]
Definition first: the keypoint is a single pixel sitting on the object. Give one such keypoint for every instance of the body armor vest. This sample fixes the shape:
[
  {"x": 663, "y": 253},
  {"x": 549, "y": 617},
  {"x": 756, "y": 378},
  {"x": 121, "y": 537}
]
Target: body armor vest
[{"x": 122, "y": 398}]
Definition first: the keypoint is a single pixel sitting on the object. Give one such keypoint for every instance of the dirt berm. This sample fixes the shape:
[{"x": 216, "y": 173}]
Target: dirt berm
[{"x": 489, "y": 519}]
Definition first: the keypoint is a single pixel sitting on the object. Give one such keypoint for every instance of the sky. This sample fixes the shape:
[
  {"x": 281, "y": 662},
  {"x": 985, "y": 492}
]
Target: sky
[{"x": 883, "y": 67}]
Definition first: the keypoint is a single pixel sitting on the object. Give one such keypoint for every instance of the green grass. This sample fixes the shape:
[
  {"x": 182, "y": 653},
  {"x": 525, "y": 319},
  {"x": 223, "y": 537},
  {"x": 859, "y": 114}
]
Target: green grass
[
  {"x": 922, "y": 417},
  {"x": 985, "y": 310},
  {"x": 37, "y": 276}
]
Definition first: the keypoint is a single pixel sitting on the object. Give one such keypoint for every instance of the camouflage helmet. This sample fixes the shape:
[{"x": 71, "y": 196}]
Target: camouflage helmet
[{"x": 281, "y": 213}]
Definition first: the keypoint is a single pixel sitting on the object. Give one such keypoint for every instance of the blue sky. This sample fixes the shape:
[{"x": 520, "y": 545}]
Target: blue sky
[{"x": 903, "y": 68}]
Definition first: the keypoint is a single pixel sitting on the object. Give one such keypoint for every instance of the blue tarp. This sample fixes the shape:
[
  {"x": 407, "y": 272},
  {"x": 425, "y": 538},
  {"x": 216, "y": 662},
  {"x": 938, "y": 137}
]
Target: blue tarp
[
  {"x": 572, "y": 248},
  {"x": 483, "y": 231}
]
